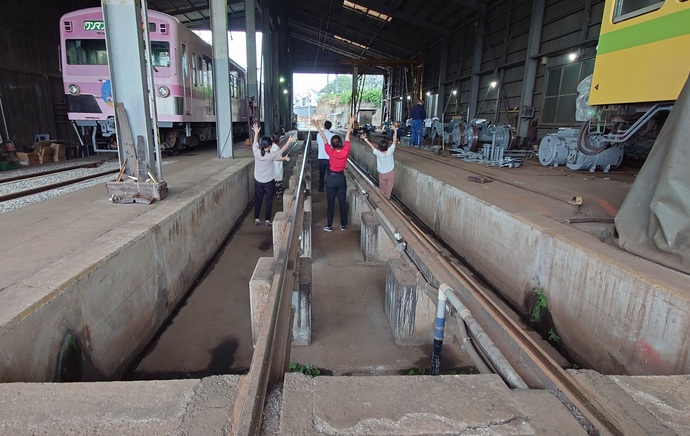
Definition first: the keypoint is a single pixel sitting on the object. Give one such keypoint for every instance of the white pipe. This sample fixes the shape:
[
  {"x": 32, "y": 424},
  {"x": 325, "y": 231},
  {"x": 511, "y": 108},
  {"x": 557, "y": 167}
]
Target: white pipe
[{"x": 503, "y": 367}]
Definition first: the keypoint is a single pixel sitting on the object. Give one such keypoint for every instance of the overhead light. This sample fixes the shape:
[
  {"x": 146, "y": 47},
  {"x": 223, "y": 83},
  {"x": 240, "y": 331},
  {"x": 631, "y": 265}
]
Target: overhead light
[
  {"x": 428, "y": 93},
  {"x": 282, "y": 79},
  {"x": 493, "y": 84},
  {"x": 409, "y": 97},
  {"x": 455, "y": 92},
  {"x": 285, "y": 91},
  {"x": 572, "y": 56}
]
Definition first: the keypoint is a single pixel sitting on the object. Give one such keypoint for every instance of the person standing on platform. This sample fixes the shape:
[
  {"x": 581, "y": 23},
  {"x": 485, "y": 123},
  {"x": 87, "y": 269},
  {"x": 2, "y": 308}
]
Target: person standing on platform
[
  {"x": 264, "y": 173},
  {"x": 336, "y": 184},
  {"x": 385, "y": 164},
  {"x": 278, "y": 164},
  {"x": 418, "y": 114},
  {"x": 323, "y": 156}
]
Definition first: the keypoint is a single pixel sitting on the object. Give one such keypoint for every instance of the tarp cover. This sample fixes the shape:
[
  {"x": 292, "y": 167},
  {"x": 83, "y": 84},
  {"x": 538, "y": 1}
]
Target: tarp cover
[{"x": 654, "y": 220}]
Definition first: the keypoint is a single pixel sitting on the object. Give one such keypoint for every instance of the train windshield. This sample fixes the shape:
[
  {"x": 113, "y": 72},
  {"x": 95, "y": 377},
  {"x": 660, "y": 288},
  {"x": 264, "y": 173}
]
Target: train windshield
[
  {"x": 93, "y": 52},
  {"x": 626, "y": 9},
  {"x": 86, "y": 52}
]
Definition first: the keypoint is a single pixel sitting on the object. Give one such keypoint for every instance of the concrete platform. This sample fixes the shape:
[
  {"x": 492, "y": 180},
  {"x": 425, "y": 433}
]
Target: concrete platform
[
  {"x": 624, "y": 311},
  {"x": 398, "y": 405},
  {"x": 614, "y": 311}
]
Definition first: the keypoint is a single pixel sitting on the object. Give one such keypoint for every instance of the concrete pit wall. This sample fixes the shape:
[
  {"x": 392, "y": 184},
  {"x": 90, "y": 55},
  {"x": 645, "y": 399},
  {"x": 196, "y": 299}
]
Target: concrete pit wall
[
  {"x": 614, "y": 312},
  {"x": 112, "y": 295}
]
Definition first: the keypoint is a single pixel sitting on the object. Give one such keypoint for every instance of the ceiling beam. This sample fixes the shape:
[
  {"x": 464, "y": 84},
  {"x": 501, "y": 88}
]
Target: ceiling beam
[{"x": 299, "y": 28}]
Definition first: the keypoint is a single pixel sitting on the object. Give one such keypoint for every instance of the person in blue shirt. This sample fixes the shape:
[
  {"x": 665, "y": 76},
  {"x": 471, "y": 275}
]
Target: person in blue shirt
[{"x": 418, "y": 114}]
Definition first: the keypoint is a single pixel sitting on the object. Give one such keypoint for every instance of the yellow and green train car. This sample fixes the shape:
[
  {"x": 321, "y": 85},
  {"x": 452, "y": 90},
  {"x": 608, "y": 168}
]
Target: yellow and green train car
[{"x": 643, "y": 53}]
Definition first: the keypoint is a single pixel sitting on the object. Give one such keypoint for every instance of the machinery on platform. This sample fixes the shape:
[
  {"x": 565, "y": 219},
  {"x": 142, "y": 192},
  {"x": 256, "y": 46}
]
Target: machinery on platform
[
  {"x": 642, "y": 63},
  {"x": 478, "y": 141}
]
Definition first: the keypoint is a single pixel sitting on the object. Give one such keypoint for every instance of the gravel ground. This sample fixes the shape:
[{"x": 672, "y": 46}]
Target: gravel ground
[
  {"x": 272, "y": 407},
  {"x": 21, "y": 185}
]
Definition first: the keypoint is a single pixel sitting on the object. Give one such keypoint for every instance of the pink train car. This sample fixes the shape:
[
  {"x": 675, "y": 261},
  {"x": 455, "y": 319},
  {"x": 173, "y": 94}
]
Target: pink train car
[{"x": 183, "y": 81}]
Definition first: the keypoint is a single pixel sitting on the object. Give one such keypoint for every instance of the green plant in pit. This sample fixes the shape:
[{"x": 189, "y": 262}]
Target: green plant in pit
[
  {"x": 307, "y": 369},
  {"x": 553, "y": 336},
  {"x": 539, "y": 306},
  {"x": 417, "y": 371}
]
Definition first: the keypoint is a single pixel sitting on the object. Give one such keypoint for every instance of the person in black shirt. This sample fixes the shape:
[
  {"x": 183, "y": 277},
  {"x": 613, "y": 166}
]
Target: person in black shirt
[{"x": 418, "y": 114}]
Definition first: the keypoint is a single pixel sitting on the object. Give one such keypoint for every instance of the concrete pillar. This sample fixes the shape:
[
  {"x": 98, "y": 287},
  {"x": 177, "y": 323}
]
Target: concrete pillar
[
  {"x": 305, "y": 243},
  {"x": 301, "y": 302},
  {"x": 281, "y": 224},
  {"x": 250, "y": 31},
  {"x": 409, "y": 309},
  {"x": 221, "y": 77},
  {"x": 259, "y": 288},
  {"x": 375, "y": 243},
  {"x": 356, "y": 205},
  {"x": 128, "y": 78},
  {"x": 288, "y": 199}
]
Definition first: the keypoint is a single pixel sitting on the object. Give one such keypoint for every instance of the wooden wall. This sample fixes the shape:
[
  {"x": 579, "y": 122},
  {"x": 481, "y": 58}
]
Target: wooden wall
[{"x": 30, "y": 78}]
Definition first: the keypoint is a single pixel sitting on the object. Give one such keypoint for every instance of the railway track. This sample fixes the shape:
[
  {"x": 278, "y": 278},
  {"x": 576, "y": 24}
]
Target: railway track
[
  {"x": 533, "y": 362},
  {"x": 24, "y": 185}
]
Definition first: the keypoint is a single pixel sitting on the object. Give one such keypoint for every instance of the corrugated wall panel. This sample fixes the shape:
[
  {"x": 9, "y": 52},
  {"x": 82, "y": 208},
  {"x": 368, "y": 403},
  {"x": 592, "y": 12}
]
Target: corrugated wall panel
[{"x": 30, "y": 79}]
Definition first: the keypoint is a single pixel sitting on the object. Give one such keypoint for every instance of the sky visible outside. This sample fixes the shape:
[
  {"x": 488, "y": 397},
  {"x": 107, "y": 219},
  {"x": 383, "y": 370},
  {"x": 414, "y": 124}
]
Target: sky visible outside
[{"x": 237, "y": 46}]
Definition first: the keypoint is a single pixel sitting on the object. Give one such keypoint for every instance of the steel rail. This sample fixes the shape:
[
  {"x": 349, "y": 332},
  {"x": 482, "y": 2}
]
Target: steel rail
[
  {"x": 273, "y": 338},
  {"x": 49, "y": 187},
  {"x": 542, "y": 371},
  {"x": 49, "y": 172}
]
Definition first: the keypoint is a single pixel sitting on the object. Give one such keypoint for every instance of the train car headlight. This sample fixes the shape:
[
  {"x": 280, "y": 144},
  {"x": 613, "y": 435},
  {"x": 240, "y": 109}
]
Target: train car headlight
[
  {"x": 164, "y": 91},
  {"x": 73, "y": 89}
]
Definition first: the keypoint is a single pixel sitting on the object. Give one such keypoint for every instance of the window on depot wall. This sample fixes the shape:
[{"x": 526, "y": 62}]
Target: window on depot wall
[{"x": 560, "y": 91}]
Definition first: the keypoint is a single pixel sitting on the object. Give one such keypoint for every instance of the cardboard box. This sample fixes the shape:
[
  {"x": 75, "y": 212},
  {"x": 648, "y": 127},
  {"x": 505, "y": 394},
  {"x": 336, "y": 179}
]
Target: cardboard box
[{"x": 28, "y": 159}]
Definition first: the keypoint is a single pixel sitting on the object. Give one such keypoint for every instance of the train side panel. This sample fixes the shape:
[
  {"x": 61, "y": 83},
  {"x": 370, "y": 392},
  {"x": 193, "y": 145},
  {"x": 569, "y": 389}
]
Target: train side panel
[{"x": 644, "y": 57}]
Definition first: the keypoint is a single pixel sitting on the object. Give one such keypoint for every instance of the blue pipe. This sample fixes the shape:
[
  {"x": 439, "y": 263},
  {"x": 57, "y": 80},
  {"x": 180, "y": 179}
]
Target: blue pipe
[{"x": 438, "y": 333}]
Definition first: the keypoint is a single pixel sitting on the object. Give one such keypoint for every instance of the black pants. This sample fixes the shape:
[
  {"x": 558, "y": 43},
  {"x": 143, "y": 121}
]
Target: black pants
[
  {"x": 261, "y": 191},
  {"x": 323, "y": 166},
  {"x": 336, "y": 186}
]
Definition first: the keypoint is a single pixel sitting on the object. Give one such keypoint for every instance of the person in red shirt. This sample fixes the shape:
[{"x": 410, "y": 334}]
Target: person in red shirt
[{"x": 336, "y": 185}]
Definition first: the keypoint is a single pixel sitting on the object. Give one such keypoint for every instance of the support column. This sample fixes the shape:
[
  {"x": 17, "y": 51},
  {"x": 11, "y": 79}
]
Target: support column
[
  {"x": 221, "y": 77},
  {"x": 531, "y": 63},
  {"x": 269, "y": 81},
  {"x": 126, "y": 59},
  {"x": 476, "y": 64},
  {"x": 442, "y": 75},
  {"x": 252, "y": 87}
]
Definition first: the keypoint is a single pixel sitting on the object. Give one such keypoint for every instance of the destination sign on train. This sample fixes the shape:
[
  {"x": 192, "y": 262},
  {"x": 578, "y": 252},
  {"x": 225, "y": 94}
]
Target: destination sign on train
[{"x": 94, "y": 25}]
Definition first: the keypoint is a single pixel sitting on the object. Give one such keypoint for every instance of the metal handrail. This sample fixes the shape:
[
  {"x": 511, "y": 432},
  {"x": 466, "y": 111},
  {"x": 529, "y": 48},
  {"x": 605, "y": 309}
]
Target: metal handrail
[{"x": 268, "y": 361}]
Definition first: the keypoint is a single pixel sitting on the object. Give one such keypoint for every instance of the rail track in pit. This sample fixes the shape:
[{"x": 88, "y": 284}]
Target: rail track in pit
[{"x": 530, "y": 359}]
